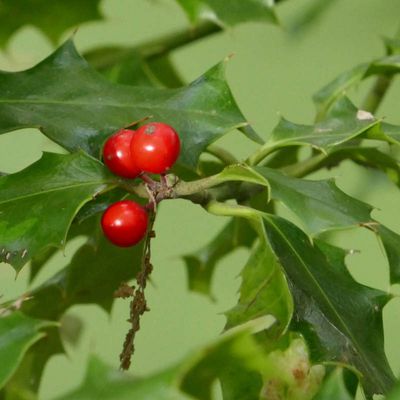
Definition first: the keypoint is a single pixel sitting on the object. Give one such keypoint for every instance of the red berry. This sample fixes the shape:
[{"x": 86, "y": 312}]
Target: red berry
[
  {"x": 117, "y": 154},
  {"x": 155, "y": 147},
  {"x": 125, "y": 223}
]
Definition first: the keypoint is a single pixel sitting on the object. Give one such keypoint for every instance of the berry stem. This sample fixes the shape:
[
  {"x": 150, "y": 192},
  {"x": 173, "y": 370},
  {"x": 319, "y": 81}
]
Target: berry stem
[
  {"x": 138, "y": 305},
  {"x": 149, "y": 181}
]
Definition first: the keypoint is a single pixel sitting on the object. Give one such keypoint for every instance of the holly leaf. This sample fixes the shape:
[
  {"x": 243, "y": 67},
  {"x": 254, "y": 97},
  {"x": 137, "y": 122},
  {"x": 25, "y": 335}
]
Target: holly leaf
[
  {"x": 334, "y": 387},
  {"x": 343, "y": 123},
  {"x": 200, "y": 265},
  {"x": 316, "y": 273},
  {"x": 38, "y": 204},
  {"x": 391, "y": 241},
  {"x": 96, "y": 270},
  {"x": 329, "y": 94},
  {"x": 321, "y": 205},
  {"x": 53, "y": 18},
  {"x": 77, "y": 108},
  {"x": 237, "y": 12},
  {"x": 17, "y": 334},
  {"x": 263, "y": 292}
]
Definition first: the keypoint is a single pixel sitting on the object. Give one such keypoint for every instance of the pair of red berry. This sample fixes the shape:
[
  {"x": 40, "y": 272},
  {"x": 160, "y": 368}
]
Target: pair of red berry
[{"x": 153, "y": 148}]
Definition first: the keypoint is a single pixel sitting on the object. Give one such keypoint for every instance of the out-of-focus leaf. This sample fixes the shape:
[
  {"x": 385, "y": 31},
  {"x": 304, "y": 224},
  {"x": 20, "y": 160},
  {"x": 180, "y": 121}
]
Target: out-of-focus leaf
[
  {"x": 77, "y": 108},
  {"x": 395, "y": 393},
  {"x": 233, "y": 357},
  {"x": 25, "y": 382},
  {"x": 238, "y": 11},
  {"x": 325, "y": 98},
  {"x": 94, "y": 273},
  {"x": 38, "y": 204},
  {"x": 293, "y": 377},
  {"x": 51, "y": 17},
  {"x": 191, "y": 379},
  {"x": 17, "y": 334},
  {"x": 334, "y": 387},
  {"x": 263, "y": 292},
  {"x": 201, "y": 264},
  {"x": 330, "y": 306},
  {"x": 104, "y": 382},
  {"x": 369, "y": 157},
  {"x": 311, "y": 13}
]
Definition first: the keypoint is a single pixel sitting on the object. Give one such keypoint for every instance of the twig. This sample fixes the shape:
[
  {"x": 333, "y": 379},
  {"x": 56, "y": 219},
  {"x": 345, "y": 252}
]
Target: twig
[{"x": 138, "y": 305}]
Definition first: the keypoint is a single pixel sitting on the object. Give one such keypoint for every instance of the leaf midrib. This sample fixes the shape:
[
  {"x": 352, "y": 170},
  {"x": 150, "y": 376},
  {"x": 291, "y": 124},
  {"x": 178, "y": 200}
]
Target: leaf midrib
[
  {"x": 115, "y": 105},
  {"x": 349, "y": 334},
  {"x": 61, "y": 188}
]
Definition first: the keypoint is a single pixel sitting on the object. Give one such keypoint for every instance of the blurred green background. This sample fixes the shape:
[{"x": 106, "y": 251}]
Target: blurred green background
[{"x": 273, "y": 73}]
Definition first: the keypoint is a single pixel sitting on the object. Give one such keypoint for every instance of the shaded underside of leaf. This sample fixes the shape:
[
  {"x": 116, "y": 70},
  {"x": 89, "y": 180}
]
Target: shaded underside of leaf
[
  {"x": 94, "y": 273},
  {"x": 200, "y": 265},
  {"x": 17, "y": 333},
  {"x": 38, "y": 204},
  {"x": 263, "y": 292},
  {"x": 76, "y": 107}
]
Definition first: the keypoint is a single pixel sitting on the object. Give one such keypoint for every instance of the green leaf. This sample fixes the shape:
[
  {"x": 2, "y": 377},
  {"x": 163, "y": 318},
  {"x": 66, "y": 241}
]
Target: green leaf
[
  {"x": 321, "y": 205},
  {"x": 78, "y": 228},
  {"x": 25, "y": 382},
  {"x": 334, "y": 387},
  {"x": 201, "y": 264},
  {"x": 308, "y": 15},
  {"x": 104, "y": 382},
  {"x": 316, "y": 275},
  {"x": 391, "y": 241},
  {"x": 263, "y": 292},
  {"x": 343, "y": 123},
  {"x": 94, "y": 273},
  {"x": 191, "y": 379},
  {"x": 237, "y": 12},
  {"x": 137, "y": 71},
  {"x": 235, "y": 356},
  {"x": 38, "y": 203},
  {"x": 369, "y": 157},
  {"x": 52, "y": 17},
  {"x": 330, "y": 306},
  {"x": 395, "y": 393},
  {"x": 329, "y": 94},
  {"x": 17, "y": 334},
  {"x": 77, "y": 108}
]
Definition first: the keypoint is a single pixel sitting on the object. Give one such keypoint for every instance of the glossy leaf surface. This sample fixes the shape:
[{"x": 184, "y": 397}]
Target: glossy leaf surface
[{"x": 77, "y": 108}]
